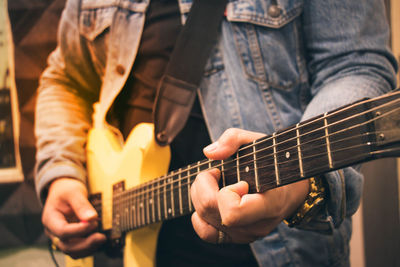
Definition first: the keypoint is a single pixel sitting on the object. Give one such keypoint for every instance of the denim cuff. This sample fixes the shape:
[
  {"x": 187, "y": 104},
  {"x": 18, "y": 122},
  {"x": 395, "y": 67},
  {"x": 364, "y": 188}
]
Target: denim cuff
[{"x": 53, "y": 172}]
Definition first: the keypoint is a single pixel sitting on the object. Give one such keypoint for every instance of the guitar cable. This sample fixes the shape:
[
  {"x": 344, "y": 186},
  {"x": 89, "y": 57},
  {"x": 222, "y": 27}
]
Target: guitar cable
[{"x": 51, "y": 251}]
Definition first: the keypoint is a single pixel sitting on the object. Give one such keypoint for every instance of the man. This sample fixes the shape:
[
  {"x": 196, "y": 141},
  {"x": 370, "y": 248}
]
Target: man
[{"x": 276, "y": 63}]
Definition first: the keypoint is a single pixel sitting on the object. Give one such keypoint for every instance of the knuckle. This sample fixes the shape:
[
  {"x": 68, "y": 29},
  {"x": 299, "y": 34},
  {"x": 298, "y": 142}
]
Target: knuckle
[
  {"x": 230, "y": 219},
  {"x": 231, "y": 132},
  {"x": 205, "y": 235},
  {"x": 205, "y": 208}
]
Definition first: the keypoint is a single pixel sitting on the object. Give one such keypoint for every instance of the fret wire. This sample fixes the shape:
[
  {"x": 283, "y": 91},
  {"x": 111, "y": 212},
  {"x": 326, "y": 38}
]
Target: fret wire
[
  {"x": 138, "y": 215},
  {"x": 188, "y": 188},
  {"x": 138, "y": 218},
  {"x": 147, "y": 208},
  {"x": 237, "y": 167},
  {"x": 123, "y": 222},
  {"x": 153, "y": 214},
  {"x": 137, "y": 207},
  {"x": 142, "y": 208},
  {"x": 275, "y": 159},
  {"x": 165, "y": 199},
  {"x": 133, "y": 209},
  {"x": 172, "y": 197},
  {"x": 255, "y": 168},
  {"x": 128, "y": 213},
  {"x": 134, "y": 197},
  {"x": 299, "y": 151},
  {"x": 180, "y": 191},
  {"x": 223, "y": 173},
  {"x": 328, "y": 145},
  {"x": 159, "y": 200}
]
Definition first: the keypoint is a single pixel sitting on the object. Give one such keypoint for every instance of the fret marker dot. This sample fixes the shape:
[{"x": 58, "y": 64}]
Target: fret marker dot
[
  {"x": 151, "y": 201},
  {"x": 169, "y": 210},
  {"x": 141, "y": 205},
  {"x": 247, "y": 169},
  {"x": 133, "y": 207},
  {"x": 287, "y": 154}
]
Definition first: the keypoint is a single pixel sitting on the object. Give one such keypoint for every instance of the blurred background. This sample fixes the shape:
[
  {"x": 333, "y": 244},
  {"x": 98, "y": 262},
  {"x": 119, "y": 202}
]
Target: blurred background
[{"x": 33, "y": 28}]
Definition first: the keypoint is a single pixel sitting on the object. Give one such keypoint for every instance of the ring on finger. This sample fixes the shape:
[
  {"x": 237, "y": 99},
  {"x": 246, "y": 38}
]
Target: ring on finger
[
  {"x": 54, "y": 243},
  {"x": 221, "y": 237}
]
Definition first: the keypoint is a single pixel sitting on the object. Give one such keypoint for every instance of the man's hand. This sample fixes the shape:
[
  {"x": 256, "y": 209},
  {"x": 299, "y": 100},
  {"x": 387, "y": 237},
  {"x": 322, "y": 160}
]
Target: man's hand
[
  {"x": 231, "y": 213},
  {"x": 70, "y": 220}
]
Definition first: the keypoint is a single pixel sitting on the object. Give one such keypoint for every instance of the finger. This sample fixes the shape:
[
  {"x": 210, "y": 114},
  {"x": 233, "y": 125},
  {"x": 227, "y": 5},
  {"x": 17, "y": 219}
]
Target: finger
[
  {"x": 229, "y": 143},
  {"x": 57, "y": 224},
  {"x": 239, "y": 208},
  {"x": 67, "y": 212},
  {"x": 82, "y": 208},
  {"x": 203, "y": 229},
  {"x": 81, "y": 247},
  {"x": 204, "y": 196}
]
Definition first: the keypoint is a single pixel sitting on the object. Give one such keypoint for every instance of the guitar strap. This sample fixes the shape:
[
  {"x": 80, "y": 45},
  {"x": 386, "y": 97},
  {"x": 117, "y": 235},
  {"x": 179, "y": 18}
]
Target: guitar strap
[{"x": 176, "y": 91}]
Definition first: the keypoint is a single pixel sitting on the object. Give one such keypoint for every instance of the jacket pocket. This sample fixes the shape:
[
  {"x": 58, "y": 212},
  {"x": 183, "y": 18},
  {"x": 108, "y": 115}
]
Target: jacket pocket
[
  {"x": 266, "y": 36},
  {"x": 96, "y": 18}
]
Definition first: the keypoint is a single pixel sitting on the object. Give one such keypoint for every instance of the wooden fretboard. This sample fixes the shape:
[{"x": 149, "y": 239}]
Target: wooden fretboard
[{"x": 355, "y": 133}]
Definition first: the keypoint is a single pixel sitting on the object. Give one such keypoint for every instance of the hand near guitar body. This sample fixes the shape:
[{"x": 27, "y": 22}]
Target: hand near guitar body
[
  {"x": 70, "y": 220},
  {"x": 230, "y": 215}
]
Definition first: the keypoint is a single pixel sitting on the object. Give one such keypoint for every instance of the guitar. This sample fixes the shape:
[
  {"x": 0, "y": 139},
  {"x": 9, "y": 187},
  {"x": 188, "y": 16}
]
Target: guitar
[{"x": 132, "y": 203}]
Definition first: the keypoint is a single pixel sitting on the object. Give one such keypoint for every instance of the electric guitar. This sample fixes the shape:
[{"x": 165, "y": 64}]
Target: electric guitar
[{"x": 132, "y": 203}]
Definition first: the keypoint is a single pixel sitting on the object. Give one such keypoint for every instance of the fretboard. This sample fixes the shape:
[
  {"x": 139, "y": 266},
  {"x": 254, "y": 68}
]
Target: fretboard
[{"x": 349, "y": 135}]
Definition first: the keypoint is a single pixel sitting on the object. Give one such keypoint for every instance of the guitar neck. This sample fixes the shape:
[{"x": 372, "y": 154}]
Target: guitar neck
[{"x": 352, "y": 134}]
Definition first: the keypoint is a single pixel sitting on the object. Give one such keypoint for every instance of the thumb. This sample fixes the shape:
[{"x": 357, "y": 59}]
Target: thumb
[
  {"x": 230, "y": 202},
  {"x": 229, "y": 142},
  {"x": 82, "y": 207}
]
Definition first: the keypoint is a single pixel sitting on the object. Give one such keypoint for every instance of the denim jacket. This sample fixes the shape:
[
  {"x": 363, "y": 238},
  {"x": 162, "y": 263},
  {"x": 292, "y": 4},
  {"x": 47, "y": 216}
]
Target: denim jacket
[{"x": 276, "y": 62}]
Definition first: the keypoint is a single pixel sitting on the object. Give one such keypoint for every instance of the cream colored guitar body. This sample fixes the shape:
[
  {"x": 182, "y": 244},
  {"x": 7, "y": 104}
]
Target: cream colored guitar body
[{"x": 138, "y": 161}]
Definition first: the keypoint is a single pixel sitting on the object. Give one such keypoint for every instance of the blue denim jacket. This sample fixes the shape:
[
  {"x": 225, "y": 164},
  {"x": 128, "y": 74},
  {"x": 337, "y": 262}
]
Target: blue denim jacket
[{"x": 277, "y": 62}]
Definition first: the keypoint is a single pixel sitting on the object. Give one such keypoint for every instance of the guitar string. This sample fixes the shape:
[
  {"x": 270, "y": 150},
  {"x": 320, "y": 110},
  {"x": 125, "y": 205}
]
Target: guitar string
[
  {"x": 141, "y": 216},
  {"x": 218, "y": 165},
  {"x": 330, "y": 115},
  {"x": 260, "y": 142},
  {"x": 172, "y": 174},
  {"x": 142, "y": 190},
  {"x": 174, "y": 183},
  {"x": 144, "y": 195},
  {"x": 128, "y": 216},
  {"x": 208, "y": 162}
]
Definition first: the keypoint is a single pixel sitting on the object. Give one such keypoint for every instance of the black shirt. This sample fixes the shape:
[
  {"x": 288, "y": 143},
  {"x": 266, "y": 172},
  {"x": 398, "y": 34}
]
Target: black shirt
[{"x": 178, "y": 244}]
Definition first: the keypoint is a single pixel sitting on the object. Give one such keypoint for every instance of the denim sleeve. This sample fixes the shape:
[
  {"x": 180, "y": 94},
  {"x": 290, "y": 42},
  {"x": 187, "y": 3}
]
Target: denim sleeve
[
  {"x": 348, "y": 58},
  {"x": 67, "y": 90}
]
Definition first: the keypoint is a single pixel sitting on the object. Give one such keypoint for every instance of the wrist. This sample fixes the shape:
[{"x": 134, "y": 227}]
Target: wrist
[{"x": 313, "y": 202}]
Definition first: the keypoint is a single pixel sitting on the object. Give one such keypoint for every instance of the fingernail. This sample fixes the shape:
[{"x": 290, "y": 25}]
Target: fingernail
[
  {"x": 211, "y": 148},
  {"x": 89, "y": 214}
]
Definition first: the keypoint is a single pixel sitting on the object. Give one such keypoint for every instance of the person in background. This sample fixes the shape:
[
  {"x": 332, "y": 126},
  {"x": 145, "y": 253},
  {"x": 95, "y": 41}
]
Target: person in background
[{"x": 275, "y": 63}]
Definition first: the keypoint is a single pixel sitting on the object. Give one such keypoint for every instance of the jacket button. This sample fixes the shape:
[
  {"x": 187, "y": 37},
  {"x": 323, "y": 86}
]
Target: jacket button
[
  {"x": 274, "y": 11},
  {"x": 162, "y": 136},
  {"x": 120, "y": 69}
]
